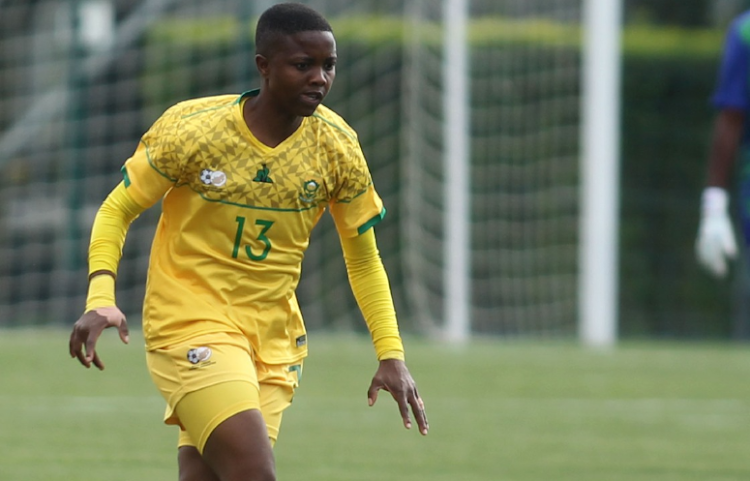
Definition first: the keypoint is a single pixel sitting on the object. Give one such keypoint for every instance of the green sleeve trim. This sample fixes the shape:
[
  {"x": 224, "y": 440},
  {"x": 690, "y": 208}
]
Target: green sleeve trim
[
  {"x": 375, "y": 220},
  {"x": 125, "y": 176}
]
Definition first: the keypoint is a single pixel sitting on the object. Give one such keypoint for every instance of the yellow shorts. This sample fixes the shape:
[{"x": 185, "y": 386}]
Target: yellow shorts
[{"x": 215, "y": 376}]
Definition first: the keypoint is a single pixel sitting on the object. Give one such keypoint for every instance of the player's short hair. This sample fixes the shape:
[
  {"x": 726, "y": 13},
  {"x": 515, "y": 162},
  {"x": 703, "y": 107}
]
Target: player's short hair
[{"x": 286, "y": 19}]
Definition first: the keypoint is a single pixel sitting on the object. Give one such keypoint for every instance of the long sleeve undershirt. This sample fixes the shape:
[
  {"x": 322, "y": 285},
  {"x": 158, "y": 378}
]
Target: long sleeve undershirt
[
  {"x": 372, "y": 291},
  {"x": 108, "y": 233}
]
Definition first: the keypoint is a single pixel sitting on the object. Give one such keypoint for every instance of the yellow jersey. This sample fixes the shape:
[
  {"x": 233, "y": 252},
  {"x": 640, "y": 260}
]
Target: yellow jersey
[{"x": 237, "y": 217}]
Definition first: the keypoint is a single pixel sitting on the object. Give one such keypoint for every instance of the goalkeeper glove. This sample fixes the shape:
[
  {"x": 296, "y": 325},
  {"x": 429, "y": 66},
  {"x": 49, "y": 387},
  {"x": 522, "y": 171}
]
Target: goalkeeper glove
[{"x": 716, "y": 242}]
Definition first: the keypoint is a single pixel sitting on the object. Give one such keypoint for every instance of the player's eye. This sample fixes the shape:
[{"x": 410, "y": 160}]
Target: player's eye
[
  {"x": 329, "y": 66},
  {"x": 302, "y": 65}
]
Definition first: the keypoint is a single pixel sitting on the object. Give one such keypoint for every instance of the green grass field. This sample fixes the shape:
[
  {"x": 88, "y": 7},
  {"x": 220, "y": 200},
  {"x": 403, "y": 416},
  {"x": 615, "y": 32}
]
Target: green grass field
[{"x": 516, "y": 411}]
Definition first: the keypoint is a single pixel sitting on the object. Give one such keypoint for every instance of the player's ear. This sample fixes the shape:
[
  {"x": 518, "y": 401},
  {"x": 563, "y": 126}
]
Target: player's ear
[{"x": 261, "y": 63}]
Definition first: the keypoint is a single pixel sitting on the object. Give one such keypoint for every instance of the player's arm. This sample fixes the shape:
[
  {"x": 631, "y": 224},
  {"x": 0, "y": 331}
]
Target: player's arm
[
  {"x": 147, "y": 175},
  {"x": 716, "y": 239},
  {"x": 725, "y": 142},
  {"x": 108, "y": 233},
  {"x": 369, "y": 283},
  {"x": 716, "y": 243}
]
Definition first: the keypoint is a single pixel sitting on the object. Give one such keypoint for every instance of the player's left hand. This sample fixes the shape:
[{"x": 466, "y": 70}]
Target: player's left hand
[{"x": 394, "y": 377}]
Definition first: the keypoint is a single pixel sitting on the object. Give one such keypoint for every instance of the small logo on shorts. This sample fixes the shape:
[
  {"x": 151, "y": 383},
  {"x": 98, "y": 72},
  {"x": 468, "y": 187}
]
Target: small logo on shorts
[
  {"x": 301, "y": 341},
  {"x": 199, "y": 354}
]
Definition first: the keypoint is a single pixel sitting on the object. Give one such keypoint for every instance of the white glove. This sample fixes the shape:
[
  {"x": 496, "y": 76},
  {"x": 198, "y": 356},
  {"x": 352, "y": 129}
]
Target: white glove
[{"x": 716, "y": 242}]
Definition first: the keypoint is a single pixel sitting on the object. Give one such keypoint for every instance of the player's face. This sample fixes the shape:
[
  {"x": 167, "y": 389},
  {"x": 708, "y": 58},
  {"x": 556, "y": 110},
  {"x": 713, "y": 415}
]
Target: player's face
[{"x": 299, "y": 74}]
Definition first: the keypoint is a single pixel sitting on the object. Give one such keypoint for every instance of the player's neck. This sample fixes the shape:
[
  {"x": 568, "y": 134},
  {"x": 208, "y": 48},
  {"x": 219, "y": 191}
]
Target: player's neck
[{"x": 269, "y": 125}]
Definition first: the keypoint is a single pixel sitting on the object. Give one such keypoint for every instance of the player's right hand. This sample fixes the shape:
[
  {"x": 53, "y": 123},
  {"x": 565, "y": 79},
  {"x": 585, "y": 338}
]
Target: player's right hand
[
  {"x": 716, "y": 242},
  {"x": 88, "y": 328}
]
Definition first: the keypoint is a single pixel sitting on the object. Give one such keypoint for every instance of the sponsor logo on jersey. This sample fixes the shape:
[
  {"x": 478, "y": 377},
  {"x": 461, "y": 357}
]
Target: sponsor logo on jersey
[{"x": 216, "y": 178}]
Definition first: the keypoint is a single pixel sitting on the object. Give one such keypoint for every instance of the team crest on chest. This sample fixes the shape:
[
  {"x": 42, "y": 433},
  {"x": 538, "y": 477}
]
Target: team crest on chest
[
  {"x": 309, "y": 191},
  {"x": 216, "y": 178}
]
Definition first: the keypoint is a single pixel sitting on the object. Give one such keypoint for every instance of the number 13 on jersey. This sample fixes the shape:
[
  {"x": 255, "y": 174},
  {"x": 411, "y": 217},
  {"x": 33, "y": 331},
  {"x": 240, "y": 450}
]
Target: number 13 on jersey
[{"x": 264, "y": 241}]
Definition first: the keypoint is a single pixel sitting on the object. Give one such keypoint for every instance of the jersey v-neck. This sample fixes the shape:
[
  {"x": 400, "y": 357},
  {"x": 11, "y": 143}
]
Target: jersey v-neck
[{"x": 263, "y": 148}]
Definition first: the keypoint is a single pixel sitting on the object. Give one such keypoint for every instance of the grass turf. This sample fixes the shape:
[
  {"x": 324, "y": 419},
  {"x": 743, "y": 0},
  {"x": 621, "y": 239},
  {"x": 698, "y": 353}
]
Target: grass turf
[{"x": 499, "y": 410}]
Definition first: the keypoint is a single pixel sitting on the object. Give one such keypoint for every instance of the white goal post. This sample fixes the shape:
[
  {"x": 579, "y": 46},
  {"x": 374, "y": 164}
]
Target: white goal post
[
  {"x": 456, "y": 128},
  {"x": 598, "y": 282},
  {"x": 599, "y": 166}
]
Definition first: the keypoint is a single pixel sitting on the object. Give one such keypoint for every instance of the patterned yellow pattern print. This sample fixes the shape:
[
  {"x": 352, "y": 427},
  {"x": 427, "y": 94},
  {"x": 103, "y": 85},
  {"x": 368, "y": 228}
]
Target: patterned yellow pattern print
[{"x": 199, "y": 136}]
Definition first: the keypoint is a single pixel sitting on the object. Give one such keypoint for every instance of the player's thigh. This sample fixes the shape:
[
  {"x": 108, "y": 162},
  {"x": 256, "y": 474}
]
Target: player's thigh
[
  {"x": 277, "y": 387},
  {"x": 278, "y": 383},
  {"x": 201, "y": 412},
  {"x": 192, "y": 466},
  {"x": 217, "y": 369},
  {"x": 236, "y": 444}
]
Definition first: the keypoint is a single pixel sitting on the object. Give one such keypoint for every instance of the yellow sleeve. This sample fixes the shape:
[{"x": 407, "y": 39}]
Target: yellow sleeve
[
  {"x": 372, "y": 291},
  {"x": 107, "y": 239}
]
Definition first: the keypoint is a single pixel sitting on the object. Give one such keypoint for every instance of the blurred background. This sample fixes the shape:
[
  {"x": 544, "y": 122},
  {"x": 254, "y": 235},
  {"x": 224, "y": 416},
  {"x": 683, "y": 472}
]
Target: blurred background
[{"x": 80, "y": 81}]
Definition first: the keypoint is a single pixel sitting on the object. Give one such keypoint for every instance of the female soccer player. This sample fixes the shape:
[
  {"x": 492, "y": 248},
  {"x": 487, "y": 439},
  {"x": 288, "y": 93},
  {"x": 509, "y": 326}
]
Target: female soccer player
[{"x": 243, "y": 179}]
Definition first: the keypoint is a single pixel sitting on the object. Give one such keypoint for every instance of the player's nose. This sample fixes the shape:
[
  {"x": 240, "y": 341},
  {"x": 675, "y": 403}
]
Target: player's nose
[{"x": 319, "y": 76}]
